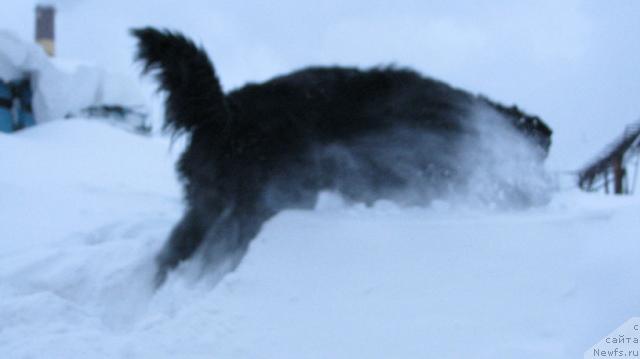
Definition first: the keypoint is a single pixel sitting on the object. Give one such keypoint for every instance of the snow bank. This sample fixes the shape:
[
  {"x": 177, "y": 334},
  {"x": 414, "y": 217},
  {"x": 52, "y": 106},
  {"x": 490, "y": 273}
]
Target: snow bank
[
  {"x": 84, "y": 207},
  {"x": 60, "y": 86}
]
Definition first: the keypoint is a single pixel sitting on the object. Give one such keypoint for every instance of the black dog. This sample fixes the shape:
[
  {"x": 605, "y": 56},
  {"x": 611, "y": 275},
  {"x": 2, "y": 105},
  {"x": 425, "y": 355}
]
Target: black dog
[{"x": 384, "y": 133}]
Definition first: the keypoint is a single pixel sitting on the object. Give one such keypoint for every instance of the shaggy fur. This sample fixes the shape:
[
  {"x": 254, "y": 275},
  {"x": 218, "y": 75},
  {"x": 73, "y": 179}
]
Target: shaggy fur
[{"x": 384, "y": 133}]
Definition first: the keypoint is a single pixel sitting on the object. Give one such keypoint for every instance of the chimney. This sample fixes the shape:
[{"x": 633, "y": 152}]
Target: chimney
[{"x": 45, "y": 16}]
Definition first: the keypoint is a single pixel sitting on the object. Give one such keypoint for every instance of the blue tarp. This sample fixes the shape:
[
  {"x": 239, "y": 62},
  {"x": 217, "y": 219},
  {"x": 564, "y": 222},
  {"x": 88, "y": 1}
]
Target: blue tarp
[
  {"x": 6, "y": 102},
  {"x": 15, "y": 115}
]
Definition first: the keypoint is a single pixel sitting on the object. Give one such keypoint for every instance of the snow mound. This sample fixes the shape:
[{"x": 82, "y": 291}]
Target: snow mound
[
  {"x": 62, "y": 86},
  {"x": 84, "y": 208}
]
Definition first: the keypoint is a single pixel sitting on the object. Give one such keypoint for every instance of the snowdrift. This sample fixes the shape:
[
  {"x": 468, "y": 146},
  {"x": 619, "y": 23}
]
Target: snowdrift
[{"x": 84, "y": 207}]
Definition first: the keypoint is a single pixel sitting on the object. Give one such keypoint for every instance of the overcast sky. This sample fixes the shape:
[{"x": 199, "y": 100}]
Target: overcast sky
[{"x": 574, "y": 63}]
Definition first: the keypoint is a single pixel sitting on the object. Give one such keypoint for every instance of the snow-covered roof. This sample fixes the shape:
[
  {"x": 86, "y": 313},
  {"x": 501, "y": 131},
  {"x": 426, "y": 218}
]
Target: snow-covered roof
[{"x": 62, "y": 86}]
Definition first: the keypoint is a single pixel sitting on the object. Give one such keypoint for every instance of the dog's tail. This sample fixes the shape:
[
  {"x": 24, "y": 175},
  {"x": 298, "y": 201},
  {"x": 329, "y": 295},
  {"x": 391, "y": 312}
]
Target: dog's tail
[{"x": 184, "y": 71}]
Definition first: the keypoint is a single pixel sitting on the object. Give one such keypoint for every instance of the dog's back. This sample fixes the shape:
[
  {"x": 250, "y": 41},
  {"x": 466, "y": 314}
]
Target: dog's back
[{"x": 379, "y": 134}]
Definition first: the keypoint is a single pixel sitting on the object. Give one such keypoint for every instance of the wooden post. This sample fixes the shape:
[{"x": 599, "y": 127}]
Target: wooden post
[
  {"x": 618, "y": 175},
  {"x": 45, "y": 28}
]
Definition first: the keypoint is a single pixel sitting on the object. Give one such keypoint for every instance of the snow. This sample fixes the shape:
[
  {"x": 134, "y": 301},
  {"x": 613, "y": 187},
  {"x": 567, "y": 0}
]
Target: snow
[
  {"x": 85, "y": 206},
  {"x": 63, "y": 86}
]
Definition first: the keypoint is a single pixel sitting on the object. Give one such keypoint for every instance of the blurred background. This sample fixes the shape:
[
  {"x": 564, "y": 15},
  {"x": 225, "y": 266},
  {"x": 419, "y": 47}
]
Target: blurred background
[{"x": 574, "y": 63}]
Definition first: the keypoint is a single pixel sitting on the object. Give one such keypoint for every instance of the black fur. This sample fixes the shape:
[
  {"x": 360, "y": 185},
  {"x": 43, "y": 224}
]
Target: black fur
[
  {"x": 184, "y": 70},
  {"x": 383, "y": 133}
]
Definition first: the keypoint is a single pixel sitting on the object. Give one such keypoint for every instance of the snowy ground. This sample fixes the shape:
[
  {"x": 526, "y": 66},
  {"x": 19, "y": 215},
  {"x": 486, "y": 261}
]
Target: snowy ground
[{"x": 85, "y": 206}]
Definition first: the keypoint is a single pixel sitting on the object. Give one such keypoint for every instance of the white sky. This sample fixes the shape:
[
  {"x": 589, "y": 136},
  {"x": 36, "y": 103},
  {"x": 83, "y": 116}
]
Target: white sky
[{"x": 574, "y": 63}]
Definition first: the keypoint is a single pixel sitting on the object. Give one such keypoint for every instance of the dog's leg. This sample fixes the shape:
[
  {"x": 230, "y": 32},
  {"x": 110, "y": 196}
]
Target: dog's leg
[
  {"x": 227, "y": 241},
  {"x": 183, "y": 242}
]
